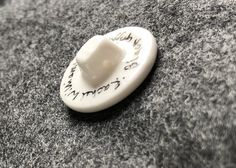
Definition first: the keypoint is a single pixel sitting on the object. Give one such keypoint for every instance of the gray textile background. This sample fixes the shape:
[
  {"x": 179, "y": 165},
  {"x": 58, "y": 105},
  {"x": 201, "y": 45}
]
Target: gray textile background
[{"x": 184, "y": 115}]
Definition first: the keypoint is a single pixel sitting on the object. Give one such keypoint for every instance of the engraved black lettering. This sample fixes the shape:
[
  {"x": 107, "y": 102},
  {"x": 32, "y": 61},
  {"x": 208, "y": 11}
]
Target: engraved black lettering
[
  {"x": 128, "y": 38},
  {"x": 117, "y": 82},
  {"x": 121, "y": 36},
  {"x": 136, "y": 42},
  {"x": 138, "y": 46},
  {"x": 103, "y": 88},
  {"x": 71, "y": 75},
  {"x": 72, "y": 72},
  {"x": 73, "y": 93},
  {"x": 92, "y": 92},
  {"x": 131, "y": 66},
  {"x": 68, "y": 86},
  {"x": 132, "y": 60},
  {"x": 118, "y": 37}
]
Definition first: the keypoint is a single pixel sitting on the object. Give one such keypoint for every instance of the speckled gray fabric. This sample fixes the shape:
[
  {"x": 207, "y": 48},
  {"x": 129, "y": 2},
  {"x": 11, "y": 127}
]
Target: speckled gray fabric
[{"x": 183, "y": 115}]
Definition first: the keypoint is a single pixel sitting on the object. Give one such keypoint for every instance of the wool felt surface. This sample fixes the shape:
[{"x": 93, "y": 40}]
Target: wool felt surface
[{"x": 183, "y": 115}]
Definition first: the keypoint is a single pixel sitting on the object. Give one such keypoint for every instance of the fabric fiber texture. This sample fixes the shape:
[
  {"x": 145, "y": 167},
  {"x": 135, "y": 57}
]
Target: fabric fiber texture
[{"x": 183, "y": 115}]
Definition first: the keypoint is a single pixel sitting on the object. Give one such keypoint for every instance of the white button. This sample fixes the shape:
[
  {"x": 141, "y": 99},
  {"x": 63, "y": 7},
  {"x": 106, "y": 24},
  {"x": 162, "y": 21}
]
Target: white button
[
  {"x": 98, "y": 58},
  {"x": 108, "y": 68}
]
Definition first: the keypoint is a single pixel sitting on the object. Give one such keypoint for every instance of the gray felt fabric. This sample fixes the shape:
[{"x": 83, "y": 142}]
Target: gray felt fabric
[{"x": 183, "y": 115}]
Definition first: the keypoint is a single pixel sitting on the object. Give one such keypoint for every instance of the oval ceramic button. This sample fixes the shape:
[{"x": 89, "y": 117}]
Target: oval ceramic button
[{"x": 108, "y": 68}]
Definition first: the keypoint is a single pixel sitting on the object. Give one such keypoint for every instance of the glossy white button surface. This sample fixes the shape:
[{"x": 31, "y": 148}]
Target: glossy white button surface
[
  {"x": 108, "y": 68},
  {"x": 98, "y": 58}
]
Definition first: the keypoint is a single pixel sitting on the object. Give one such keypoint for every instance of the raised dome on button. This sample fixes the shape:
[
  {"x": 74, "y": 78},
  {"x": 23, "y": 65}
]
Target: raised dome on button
[
  {"x": 108, "y": 68},
  {"x": 98, "y": 58}
]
